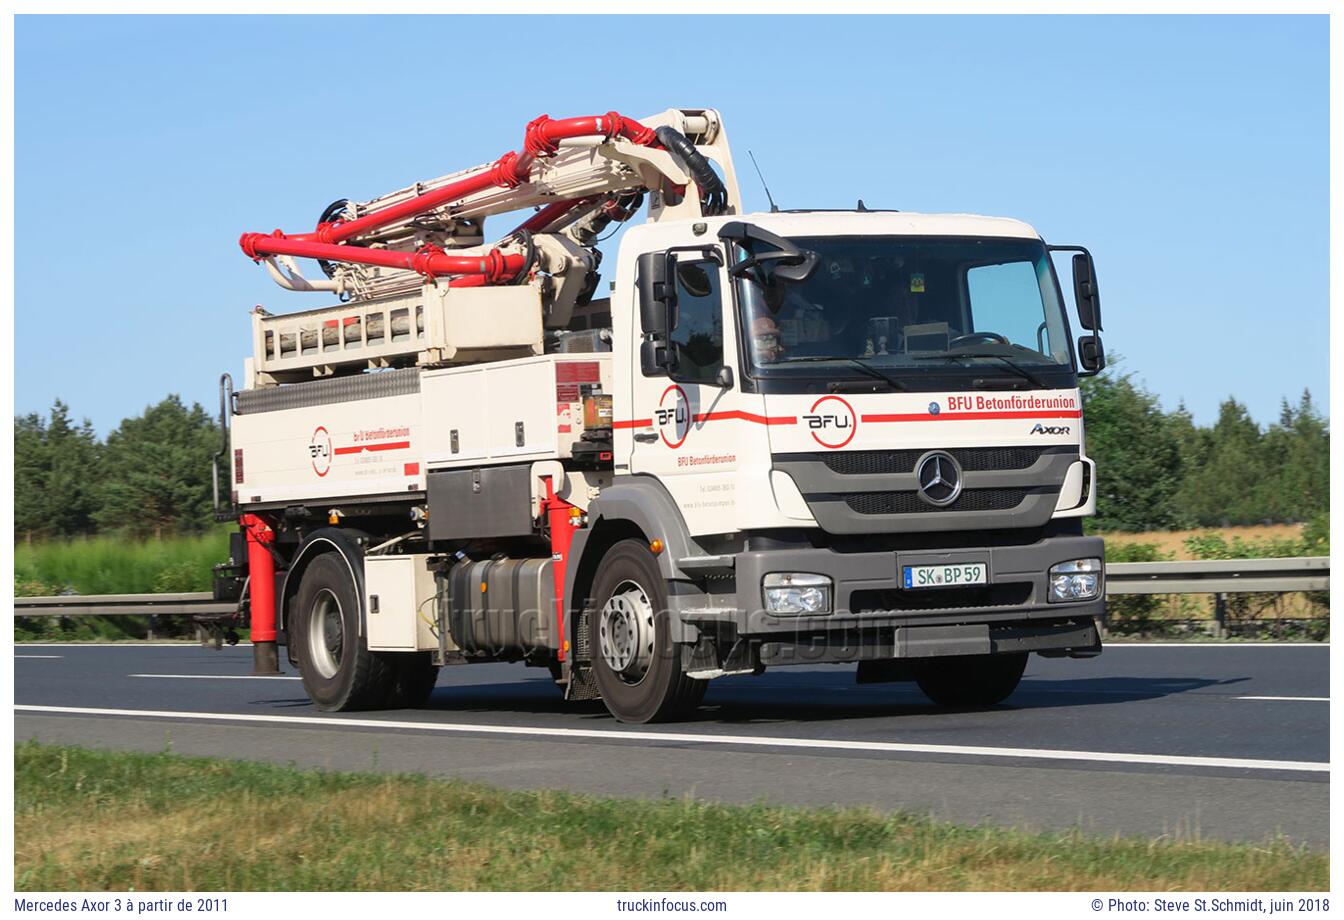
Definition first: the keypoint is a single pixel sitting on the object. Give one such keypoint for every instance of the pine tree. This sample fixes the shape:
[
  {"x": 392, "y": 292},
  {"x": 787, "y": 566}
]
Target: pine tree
[
  {"x": 1137, "y": 453},
  {"x": 157, "y": 471},
  {"x": 1229, "y": 485},
  {"x": 56, "y": 470}
]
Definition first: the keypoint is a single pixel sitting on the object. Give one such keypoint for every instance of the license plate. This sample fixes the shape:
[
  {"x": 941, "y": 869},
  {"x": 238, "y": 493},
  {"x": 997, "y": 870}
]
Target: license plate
[{"x": 944, "y": 576}]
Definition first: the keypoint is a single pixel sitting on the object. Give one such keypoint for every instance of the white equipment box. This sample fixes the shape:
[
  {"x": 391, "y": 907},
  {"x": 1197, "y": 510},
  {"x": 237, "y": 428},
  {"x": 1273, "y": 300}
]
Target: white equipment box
[{"x": 400, "y": 600}]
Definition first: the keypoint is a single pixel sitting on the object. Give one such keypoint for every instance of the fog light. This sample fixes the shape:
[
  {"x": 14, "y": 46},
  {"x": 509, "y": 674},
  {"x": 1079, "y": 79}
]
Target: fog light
[
  {"x": 797, "y": 593},
  {"x": 1075, "y": 580}
]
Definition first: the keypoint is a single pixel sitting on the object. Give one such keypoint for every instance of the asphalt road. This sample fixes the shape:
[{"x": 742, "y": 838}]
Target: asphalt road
[{"x": 1216, "y": 741}]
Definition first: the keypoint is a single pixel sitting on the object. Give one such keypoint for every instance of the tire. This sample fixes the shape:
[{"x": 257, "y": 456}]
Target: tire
[
  {"x": 339, "y": 672},
  {"x": 971, "y": 681},
  {"x": 413, "y": 680},
  {"x": 637, "y": 668}
]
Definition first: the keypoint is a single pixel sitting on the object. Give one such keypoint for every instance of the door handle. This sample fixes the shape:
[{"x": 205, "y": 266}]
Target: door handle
[{"x": 646, "y": 437}]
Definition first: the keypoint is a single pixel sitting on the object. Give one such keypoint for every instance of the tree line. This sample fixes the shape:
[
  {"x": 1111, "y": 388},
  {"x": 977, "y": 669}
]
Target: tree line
[
  {"x": 149, "y": 477},
  {"x": 1156, "y": 470}
]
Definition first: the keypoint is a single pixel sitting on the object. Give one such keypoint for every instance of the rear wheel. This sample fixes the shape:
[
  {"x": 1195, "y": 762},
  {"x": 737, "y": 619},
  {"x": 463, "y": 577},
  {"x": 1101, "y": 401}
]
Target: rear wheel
[
  {"x": 973, "y": 680},
  {"x": 339, "y": 672},
  {"x": 636, "y": 664}
]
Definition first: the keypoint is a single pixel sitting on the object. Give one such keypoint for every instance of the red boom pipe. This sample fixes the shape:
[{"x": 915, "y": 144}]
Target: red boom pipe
[
  {"x": 493, "y": 266},
  {"x": 541, "y": 139},
  {"x": 550, "y": 214},
  {"x": 505, "y": 174},
  {"x": 544, "y": 134}
]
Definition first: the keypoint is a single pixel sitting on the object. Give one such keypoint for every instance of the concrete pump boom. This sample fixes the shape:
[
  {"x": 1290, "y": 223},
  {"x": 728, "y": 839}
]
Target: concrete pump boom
[{"x": 569, "y": 169}]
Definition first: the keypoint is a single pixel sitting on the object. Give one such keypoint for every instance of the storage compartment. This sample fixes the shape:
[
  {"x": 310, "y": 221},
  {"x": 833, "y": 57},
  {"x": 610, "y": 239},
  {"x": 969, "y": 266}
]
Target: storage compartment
[
  {"x": 503, "y": 607},
  {"x": 492, "y": 501},
  {"x": 510, "y": 411},
  {"x": 397, "y": 590}
]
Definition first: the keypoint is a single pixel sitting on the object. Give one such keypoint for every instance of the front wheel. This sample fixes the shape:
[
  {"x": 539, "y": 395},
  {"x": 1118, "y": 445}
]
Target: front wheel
[
  {"x": 635, "y": 662},
  {"x": 972, "y": 680}
]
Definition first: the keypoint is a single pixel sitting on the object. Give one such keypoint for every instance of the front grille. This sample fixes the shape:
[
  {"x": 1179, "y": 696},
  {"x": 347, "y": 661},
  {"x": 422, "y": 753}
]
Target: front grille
[
  {"x": 877, "y": 462},
  {"x": 911, "y": 503},
  {"x": 974, "y": 597}
]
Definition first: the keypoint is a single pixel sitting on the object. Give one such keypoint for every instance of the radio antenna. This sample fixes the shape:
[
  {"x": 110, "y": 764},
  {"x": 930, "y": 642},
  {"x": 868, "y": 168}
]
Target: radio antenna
[{"x": 774, "y": 208}]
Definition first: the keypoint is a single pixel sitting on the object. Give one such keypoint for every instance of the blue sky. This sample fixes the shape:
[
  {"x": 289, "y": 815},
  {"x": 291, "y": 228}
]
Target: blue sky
[{"x": 1189, "y": 153}]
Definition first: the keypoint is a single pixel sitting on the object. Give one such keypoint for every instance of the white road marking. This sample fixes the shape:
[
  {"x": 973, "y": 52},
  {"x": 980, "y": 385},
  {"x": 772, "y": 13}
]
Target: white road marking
[
  {"x": 1289, "y": 699},
  {"x": 185, "y": 643},
  {"x": 1193, "y": 645},
  {"x": 887, "y": 747},
  {"x": 220, "y": 676},
  {"x": 39, "y": 656}
]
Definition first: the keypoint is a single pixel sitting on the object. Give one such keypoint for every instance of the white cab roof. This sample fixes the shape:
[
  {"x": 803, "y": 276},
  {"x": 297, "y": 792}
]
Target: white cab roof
[
  {"x": 894, "y": 223},
  {"x": 846, "y": 223}
]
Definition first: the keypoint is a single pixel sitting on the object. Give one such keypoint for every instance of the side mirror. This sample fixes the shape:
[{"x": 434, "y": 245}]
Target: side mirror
[
  {"x": 1091, "y": 355},
  {"x": 724, "y": 378},
  {"x": 1085, "y": 292},
  {"x": 796, "y": 270},
  {"x": 785, "y": 262},
  {"x": 656, "y": 357},
  {"x": 656, "y": 294}
]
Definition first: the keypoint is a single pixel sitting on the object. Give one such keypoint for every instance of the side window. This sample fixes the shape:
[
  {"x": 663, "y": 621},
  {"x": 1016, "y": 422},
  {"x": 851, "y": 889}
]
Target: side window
[
  {"x": 697, "y": 336},
  {"x": 1006, "y": 298}
]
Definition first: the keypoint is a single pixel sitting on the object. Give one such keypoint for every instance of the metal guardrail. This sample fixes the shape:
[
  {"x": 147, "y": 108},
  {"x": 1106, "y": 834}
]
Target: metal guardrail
[
  {"x": 1217, "y": 576},
  {"x": 1220, "y": 576},
  {"x": 103, "y": 605}
]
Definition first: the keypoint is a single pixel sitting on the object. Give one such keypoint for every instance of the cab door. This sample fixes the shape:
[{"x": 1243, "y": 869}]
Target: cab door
[{"x": 686, "y": 414}]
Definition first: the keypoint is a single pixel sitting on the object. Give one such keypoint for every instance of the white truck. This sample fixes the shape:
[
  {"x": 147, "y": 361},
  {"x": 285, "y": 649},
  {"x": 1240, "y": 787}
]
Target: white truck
[{"x": 794, "y": 437}]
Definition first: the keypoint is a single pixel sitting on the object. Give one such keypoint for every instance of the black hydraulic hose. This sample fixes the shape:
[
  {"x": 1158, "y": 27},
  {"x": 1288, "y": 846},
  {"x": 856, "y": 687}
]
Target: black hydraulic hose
[
  {"x": 333, "y": 210},
  {"x": 529, "y": 256},
  {"x": 713, "y": 196}
]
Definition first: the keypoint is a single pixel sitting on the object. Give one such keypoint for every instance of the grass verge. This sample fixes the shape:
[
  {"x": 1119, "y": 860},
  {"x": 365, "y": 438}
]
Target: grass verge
[
  {"x": 112, "y": 565},
  {"x": 115, "y": 565},
  {"x": 96, "y": 820}
]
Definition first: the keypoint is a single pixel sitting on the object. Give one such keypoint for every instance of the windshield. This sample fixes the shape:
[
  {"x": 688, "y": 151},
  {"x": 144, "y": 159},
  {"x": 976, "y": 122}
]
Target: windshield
[{"x": 910, "y": 307}]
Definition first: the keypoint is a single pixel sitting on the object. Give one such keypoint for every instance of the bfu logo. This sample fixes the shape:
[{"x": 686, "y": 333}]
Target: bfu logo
[
  {"x": 834, "y": 427},
  {"x": 673, "y": 412},
  {"x": 319, "y": 451}
]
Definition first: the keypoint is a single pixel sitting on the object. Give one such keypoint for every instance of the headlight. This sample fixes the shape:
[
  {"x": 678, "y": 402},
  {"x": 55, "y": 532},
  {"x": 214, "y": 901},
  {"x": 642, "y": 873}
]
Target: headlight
[
  {"x": 1075, "y": 580},
  {"x": 797, "y": 593}
]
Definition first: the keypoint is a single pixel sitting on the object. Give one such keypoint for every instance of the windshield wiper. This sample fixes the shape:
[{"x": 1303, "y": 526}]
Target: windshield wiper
[
  {"x": 1009, "y": 363},
  {"x": 866, "y": 368}
]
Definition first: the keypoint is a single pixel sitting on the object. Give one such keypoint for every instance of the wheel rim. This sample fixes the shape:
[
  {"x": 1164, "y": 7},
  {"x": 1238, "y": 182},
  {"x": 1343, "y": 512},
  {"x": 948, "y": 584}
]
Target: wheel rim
[
  {"x": 326, "y": 633},
  {"x": 625, "y": 632}
]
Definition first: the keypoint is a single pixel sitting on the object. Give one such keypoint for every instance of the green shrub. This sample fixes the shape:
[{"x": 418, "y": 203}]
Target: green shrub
[
  {"x": 1135, "y": 613},
  {"x": 1263, "y": 615}
]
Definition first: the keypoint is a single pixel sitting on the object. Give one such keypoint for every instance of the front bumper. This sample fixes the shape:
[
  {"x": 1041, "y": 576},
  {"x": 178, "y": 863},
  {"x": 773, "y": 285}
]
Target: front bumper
[{"x": 874, "y": 617}]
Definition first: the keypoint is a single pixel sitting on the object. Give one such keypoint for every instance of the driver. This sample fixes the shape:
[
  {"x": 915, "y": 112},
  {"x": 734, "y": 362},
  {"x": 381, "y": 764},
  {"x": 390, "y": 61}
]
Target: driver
[{"x": 766, "y": 344}]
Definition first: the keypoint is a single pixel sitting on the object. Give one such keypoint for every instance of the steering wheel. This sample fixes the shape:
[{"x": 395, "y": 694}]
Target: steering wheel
[{"x": 972, "y": 337}]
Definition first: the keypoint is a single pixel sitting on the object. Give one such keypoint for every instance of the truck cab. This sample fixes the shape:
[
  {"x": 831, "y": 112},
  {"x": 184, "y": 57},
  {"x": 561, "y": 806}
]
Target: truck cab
[{"x": 880, "y": 461}]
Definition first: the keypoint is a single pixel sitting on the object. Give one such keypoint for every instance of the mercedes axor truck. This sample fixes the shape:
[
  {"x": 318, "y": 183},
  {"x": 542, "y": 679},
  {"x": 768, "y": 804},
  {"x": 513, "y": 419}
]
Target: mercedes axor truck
[{"x": 795, "y": 437}]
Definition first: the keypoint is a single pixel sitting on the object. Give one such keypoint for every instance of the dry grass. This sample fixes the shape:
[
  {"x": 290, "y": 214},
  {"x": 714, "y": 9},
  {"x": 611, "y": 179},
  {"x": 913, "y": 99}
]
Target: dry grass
[
  {"x": 1173, "y": 541},
  {"x": 1263, "y": 609},
  {"x": 88, "y": 820}
]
